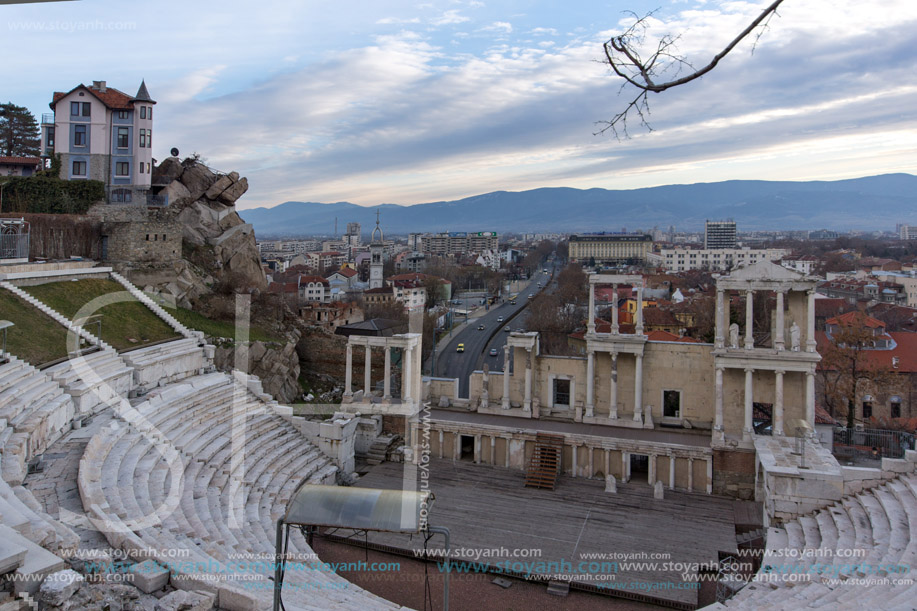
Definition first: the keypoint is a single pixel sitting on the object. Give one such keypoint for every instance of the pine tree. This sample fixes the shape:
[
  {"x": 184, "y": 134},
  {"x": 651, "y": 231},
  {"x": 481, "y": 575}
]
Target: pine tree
[{"x": 19, "y": 134}]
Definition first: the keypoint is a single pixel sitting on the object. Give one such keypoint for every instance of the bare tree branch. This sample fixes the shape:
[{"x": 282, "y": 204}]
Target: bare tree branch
[{"x": 621, "y": 53}]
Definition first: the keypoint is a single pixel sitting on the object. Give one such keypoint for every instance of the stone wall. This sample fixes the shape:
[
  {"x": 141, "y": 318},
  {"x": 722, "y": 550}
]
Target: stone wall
[
  {"x": 734, "y": 473},
  {"x": 142, "y": 242}
]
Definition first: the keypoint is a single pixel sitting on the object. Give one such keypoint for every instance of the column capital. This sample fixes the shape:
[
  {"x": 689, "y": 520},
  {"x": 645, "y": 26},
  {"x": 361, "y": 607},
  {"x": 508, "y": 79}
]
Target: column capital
[
  {"x": 780, "y": 372},
  {"x": 749, "y": 370}
]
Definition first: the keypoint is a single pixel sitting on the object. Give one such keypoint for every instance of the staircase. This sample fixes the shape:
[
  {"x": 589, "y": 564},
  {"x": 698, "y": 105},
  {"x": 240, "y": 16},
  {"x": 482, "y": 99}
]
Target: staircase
[
  {"x": 380, "y": 448},
  {"x": 159, "y": 311},
  {"x": 545, "y": 464}
]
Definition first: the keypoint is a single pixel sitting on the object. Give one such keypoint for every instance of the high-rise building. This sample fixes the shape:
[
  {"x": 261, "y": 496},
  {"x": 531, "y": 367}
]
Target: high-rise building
[
  {"x": 907, "y": 232},
  {"x": 720, "y": 234},
  {"x": 353, "y": 234}
]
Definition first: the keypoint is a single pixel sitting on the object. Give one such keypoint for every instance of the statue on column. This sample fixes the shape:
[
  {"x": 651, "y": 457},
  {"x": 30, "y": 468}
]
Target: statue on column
[
  {"x": 794, "y": 337},
  {"x": 734, "y": 335}
]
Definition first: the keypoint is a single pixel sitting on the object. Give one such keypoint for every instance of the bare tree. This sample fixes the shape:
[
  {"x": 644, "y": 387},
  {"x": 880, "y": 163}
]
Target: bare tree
[{"x": 622, "y": 54}]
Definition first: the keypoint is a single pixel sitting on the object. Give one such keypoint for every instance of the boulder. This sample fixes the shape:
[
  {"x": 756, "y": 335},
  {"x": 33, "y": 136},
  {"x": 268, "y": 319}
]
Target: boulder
[
  {"x": 234, "y": 192},
  {"x": 59, "y": 587},
  {"x": 221, "y": 184},
  {"x": 177, "y": 194},
  {"x": 198, "y": 178},
  {"x": 183, "y": 600},
  {"x": 170, "y": 169}
]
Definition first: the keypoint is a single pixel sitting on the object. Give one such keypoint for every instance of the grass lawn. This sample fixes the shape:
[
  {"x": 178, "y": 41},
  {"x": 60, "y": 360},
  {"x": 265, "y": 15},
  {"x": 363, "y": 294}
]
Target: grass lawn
[
  {"x": 126, "y": 324},
  {"x": 36, "y": 338},
  {"x": 218, "y": 328}
]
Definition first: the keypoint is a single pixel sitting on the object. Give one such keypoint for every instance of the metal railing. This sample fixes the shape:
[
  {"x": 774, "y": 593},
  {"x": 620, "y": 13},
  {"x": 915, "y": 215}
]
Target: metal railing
[
  {"x": 14, "y": 239},
  {"x": 872, "y": 443},
  {"x": 47, "y": 118}
]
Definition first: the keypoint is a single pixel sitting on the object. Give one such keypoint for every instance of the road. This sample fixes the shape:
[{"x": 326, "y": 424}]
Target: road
[{"x": 452, "y": 364}]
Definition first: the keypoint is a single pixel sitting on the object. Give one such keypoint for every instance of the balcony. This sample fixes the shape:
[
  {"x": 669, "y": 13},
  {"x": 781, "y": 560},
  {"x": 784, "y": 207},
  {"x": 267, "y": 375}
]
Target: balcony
[{"x": 47, "y": 118}]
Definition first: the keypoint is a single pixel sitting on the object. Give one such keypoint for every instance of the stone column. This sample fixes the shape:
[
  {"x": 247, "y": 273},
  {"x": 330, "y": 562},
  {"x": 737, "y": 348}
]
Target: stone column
[
  {"x": 348, "y": 372},
  {"x": 527, "y": 401},
  {"x": 407, "y": 379},
  {"x": 607, "y": 462},
  {"x": 810, "y": 399},
  {"x": 477, "y": 449},
  {"x": 718, "y": 433},
  {"x": 590, "y": 322},
  {"x": 672, "y": 472},
  {"x": 638, "y": 388},
  {"x": 810, "y": 322},
  {"x": 709, "y": 475},
  {"x": 505, "y": 400},
  {"x": 440, "y": 454},
  {"x": 456, "y": 446},
  {"x": 590, "y": 384},
  {"x": 749, "y": 320},
  {"x": 493, "y": 450},
  {"x": 625, "y": 466},
  {"x": 779, "y": 332},
  {"x": 639, "y": 325},
  {"x": 614, "y": 309},
  {"x": 508, "y": 439},
  {"x": 690, "y": 474},
  {"x": 387, "y": 380},
  {"x": 368, "y": 373},
  {"x": 651, "y": 476},
  {"x": 573, "y": 468},
  {"x": 613, "y": 407},
  {"x": 720, "y": 324},
  {"x": 778, "y": 402},
  {"x": 749, "y": 408}
]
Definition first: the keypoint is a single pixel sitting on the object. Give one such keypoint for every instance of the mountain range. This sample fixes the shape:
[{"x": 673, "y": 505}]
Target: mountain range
[{"x": 869, "y": 203}]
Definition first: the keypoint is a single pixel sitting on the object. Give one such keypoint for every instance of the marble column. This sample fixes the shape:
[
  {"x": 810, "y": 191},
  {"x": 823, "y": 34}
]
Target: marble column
[
  {"x": 348, "y": 372},
  {"x": 493, "y": 450},
  {"x": 810, "y": 322},
  {"x": 614, "y": 309},
  {"x": 527, "y": 401},
  {"x": 810, "y": 399},
  {"x": 638, "y": 388},
  {"x": 477, "y": 449},
  {"x": 407, "y": 379},
  {"x": 613, "y": 407},
  {"x": 749, "y": 320},
  {"x": 748, "y": 428},
  {"x": 590, "y": 465},
  {"x": 780, "y": 331},
  {"x": 651, "y": 477},
  {"x": 607, "y": 462},
  {"x": 507, "y": 451},
  {"x": 440, "y": 453},
  {"x": 368, "y": 374},
  {"x": 590, "y": 384},
  {"x": 573, "y": 468},
  {"x": 590, "y": 322},
  {"x": 505, "y": 400},
  {"x": 671, "y": 472},
  {"x": 690, "y": 474},
  {"x": 387, "y": 381},
  {"x": 456, "y": 446},
  {"x": 720, "y": 320},
  {"x": 778, "y": 402},
  {"x": 718, "y": 433},
  {"x": 639, "y": 325},
  {"x": 625, "y": 466}
]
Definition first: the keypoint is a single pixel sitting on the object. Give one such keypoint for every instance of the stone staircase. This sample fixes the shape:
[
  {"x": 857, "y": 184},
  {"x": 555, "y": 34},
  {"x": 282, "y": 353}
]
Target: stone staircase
[
  {"x": 208, "y": 467},
  {"x": 849, "y": 555},
  {"x": 155, "y": 307},
  {"x": 545, "y": 463},
  {"x": 380, "y": 449}
]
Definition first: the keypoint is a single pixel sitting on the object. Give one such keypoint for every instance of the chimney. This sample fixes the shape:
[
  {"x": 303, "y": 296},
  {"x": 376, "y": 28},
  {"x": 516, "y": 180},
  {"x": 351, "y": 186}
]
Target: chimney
[{"x": 100, "y": 85}]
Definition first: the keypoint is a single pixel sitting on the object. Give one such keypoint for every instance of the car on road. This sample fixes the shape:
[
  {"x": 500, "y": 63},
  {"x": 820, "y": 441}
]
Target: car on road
[
  {"x": 506, "y": 329},
  {"x": 499, "y": 319},
  {"x": 493, "y": 352},
  {"x": 460, "y": 348},
  {"x": 480, "y": 327},
  {"x": 531, "y": 297},
  {"x": 513, "y": 302}
]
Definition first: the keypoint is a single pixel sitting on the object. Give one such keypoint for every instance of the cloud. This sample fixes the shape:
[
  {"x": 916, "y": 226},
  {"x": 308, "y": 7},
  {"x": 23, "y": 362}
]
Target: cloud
[
  {"x": 498, "y": 26},
  {"x": 450, "y": 17},
  {"x": 397, "y": 20},
  {"x": 190, "y": 85}
]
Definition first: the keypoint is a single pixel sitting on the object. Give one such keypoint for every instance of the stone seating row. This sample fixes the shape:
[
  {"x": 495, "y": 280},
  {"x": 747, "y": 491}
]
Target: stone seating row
[
  {"x": 220, "y": 466},
  {"x": 167, "y": 362},
  {"x": 849, "y": 555},
  {"x": 93, "y": 380}
]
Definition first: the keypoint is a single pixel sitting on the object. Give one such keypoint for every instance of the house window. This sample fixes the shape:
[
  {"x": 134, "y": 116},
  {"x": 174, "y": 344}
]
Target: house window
[
  {"x": 141, "y": 167},
  {"x": 122, "y": 168},
  {"x": 561, "y": 392},
  {"x": 671, "y": 403},
  {"x": 86, "y": 108},
  {"x": 149, "y": 113},
  {"x": 79, "y": 135},
  {"x": 122, "y": 196},
  {"x": 143, "y": 112},
  {"x": 79, "y": 168},
  {"x": 122, "y": 137},
  {"x": 50, "y": 137},
  {"x": 149, "y": 139},
  {"x": 896, "y": 407},
  {"x": 142, "y": 138},
  {"x": 867, "y": 409},
  {"x": 124, "y": 114},
  {"x": 74, "y": 109}
]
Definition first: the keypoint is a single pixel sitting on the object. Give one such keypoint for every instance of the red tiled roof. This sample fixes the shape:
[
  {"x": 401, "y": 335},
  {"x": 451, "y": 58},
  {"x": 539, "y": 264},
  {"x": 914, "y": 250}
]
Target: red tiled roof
[
  {"x": 111, "y": 97},
  {"x": 665, "y": 336},
  {"x": 657, "y": 317},
  {"x": 855, "y": 319},
  {"x": 20, "y": 160},
  {"x": 315, "y": 279},
  {"x": 381, "y": 289},
  {"x": 830, "y": 306},
  {"x": 282, "y": 287},
  {"x": 823, "y": 417},
  {"x": 345, "y": 271},
  {"x": 905, "y": 351}
]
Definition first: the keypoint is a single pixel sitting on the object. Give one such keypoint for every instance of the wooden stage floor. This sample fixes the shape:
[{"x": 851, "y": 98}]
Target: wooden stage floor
[{"x": 489, "y": 512}]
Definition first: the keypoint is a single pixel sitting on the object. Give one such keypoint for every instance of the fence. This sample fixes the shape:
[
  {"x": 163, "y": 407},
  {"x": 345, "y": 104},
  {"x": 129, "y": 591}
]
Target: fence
[
  {"x": 14, "y": 239},
  {"x": 872, "y": 443}
]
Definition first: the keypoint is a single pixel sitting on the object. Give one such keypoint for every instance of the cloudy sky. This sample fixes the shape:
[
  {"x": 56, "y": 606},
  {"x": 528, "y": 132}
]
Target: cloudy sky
[{"x": 395, "y": 101}]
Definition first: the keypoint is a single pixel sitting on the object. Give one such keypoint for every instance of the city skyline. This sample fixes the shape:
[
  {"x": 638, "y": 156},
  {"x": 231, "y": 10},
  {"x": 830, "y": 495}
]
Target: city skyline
[{"x": 415, "y": 103}]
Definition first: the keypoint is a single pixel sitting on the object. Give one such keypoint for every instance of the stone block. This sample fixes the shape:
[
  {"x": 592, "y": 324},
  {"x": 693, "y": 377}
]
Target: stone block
[
  {"x": 896, "y": 465},
  {"x": 59, "y": 587},
  {"x": 658, "y": 491},
  {"x": 149, "y": 576},
  {"x": 611, "y": 484},
  {"x": 183, "y": 600},
  {"x": 232, "y": 598}
]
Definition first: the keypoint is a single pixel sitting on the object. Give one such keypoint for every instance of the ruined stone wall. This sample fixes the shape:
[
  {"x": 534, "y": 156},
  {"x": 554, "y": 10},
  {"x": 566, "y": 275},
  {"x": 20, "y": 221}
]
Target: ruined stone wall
[
  {"x": 734, "y": 473},
  {"x": 149, "y": 241}
]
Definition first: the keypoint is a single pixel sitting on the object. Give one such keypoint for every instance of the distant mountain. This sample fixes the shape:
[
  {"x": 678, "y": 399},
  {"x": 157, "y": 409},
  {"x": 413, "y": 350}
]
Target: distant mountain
[{"x": 871, "y": 203}]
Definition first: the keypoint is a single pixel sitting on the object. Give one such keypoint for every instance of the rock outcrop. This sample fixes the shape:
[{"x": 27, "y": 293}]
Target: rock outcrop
[{"x": 277, "y": 365}]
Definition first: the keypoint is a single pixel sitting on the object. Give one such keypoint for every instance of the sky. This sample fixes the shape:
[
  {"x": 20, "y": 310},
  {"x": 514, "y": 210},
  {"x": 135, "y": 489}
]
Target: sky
[{"x": 395, "y": 101}]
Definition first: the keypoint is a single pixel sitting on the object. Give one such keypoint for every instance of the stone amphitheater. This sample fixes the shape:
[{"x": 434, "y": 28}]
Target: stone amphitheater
[{"x": 153, "y": 456}]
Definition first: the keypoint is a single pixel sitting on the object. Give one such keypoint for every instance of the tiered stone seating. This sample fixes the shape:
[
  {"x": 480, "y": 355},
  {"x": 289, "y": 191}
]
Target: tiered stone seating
[
  {"x": 213, "y": 467},
  {"x": 167, "y": 362},
  {"x": 93, "y": 381},
  {"x": 845, "y": 556}
]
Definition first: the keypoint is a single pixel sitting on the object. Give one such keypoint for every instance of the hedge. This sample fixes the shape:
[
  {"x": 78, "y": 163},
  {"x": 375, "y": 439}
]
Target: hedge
[{"x": 50, "y": 195}]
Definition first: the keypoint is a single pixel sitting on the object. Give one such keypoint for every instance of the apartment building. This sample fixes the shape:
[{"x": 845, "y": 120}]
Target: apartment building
[
  {"x": 611, "y": 248},
  {"x": 717, "y": 259}
]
